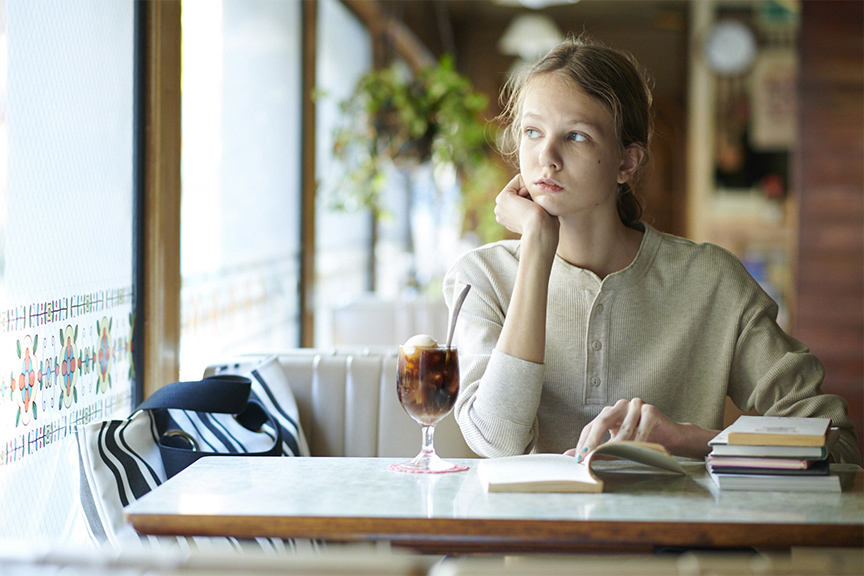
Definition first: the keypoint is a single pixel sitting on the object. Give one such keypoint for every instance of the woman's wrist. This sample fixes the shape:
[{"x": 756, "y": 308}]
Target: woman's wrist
[
  {"x": 692, "y": 441},
  {"x": 538, "y": 252}
]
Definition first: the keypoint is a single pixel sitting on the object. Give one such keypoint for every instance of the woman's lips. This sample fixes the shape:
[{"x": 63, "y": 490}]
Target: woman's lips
[{"x": 548, "y": 185}]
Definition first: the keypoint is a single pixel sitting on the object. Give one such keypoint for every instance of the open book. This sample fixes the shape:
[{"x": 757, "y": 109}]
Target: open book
[{"x": 560, "y": 473}]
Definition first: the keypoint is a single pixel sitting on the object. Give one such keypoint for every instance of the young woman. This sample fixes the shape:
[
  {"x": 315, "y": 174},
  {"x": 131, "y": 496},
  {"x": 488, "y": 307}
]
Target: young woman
[{"x": 593, "y": 324}]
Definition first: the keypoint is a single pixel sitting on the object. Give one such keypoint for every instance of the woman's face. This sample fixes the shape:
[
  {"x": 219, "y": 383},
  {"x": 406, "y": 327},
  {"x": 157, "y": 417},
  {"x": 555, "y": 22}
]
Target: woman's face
[{"x": 569, "y": 155}]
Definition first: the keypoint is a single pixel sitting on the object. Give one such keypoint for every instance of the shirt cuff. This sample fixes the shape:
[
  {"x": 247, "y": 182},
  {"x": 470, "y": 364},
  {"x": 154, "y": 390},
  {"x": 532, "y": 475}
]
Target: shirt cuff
[{"x": 510, "y": 389}]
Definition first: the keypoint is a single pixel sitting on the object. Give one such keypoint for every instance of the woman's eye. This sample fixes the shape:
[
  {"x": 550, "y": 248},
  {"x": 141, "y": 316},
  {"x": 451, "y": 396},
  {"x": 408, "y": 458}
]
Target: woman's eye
[
  {"x": 577, "y": 137},
  {"x": 531, "y": 133}
]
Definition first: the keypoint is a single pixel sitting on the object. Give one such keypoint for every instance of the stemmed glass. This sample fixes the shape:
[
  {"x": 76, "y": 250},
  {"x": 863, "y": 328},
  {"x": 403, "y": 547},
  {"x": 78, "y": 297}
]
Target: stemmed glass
[{"x": 427, "y": 382}]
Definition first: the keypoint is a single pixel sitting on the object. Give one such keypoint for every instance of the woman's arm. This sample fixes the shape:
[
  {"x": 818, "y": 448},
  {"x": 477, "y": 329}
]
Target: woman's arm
[
  {"x": 524, "y": 333},
  {"x": 777, "y": 375},
  {"x": 501, "y": 333}
]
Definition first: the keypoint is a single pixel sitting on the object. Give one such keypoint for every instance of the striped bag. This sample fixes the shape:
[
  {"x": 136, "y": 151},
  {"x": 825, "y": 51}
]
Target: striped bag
[{"x": 253, "y": 413}]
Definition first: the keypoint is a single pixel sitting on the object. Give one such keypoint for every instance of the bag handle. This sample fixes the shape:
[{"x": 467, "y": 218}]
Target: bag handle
[{"x": 221, "y": 394}]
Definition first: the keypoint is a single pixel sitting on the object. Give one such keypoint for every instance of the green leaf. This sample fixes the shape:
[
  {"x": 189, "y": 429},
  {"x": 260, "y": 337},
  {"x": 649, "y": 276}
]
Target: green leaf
[
  {"x": 35, "y": 343},
  {"x": 18, "y": 343}
]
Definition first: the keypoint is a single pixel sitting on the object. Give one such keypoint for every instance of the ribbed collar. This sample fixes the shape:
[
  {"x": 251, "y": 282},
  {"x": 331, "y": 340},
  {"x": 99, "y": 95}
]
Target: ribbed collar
[{"x": 566, "y": 273}]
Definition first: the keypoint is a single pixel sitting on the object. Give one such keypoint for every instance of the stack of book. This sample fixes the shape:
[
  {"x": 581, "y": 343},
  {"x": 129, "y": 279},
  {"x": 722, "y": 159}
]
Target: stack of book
[{"x": 773, "y": 453}]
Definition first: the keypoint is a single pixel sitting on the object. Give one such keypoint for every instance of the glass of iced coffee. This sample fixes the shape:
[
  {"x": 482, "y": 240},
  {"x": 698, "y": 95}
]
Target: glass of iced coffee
[{"x": 427, "y": 383}]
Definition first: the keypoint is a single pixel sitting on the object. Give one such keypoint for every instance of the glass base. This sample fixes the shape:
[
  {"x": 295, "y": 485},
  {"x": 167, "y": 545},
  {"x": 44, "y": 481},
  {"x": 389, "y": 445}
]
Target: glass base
[
  {"x": 427, "y": 461},
  {"x": 427, "y": 464}
]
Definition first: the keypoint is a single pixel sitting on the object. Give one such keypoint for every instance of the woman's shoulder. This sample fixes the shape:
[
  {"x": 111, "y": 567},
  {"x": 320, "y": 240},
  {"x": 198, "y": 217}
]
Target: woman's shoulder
[
  {"x": 490, "y": 264},
  {"x": 502, "y": 252},
  {"x": 705, "y": 261},
  {"x": 677, "y": 248}
]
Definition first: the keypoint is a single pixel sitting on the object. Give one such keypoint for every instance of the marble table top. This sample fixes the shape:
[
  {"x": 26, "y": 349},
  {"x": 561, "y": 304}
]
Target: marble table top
[{"x": 358, "y": 498}]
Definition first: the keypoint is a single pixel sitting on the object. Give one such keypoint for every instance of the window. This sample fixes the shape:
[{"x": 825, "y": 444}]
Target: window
[
  {"x": 343, "y": 239},
  {"x": 240, "y": 232},
  {"x": 67, "y": 175}
]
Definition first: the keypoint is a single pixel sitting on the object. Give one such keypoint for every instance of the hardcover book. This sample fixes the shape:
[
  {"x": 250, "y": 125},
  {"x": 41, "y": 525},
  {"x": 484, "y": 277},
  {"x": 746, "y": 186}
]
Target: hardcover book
[
  {"x": 768, "y": 466},
  {"x": 778, "y": 431},
  {"x": 777, "y": 482}
]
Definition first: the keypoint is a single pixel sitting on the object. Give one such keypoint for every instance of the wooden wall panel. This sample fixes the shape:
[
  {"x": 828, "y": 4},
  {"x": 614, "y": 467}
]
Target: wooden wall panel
[{"x": 829, "y": 313}]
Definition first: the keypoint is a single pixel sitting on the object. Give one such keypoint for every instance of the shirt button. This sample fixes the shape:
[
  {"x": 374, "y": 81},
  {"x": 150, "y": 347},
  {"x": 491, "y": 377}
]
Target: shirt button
[
  {"x": 595, "y": 381},
  {"x": 596, "y": 345},
  {"x": 598, "y": 309}
]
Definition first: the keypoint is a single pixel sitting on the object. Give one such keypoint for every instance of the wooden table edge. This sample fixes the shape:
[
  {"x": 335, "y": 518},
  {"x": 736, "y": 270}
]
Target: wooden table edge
[{"x": 485, "y": 534}]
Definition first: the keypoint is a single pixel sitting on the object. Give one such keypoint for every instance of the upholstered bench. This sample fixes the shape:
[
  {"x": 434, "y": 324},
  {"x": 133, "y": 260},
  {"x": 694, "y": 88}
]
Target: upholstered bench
[{"x": 348, "y": 404}]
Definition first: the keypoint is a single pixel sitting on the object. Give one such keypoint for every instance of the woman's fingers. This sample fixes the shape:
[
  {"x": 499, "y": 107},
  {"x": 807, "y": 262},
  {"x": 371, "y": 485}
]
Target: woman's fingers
[
  {"x": 504, "y": 213},
  {"x": 626, "y": 420},
  {"x": 608, "y": 420},
  {"x": 630, "y": 425},
  {"x": 650, "y": 418},
  {"x": 513, "y": 206},
  {"x": 642, "y": 422},
  {"x": 514, "y": 186}
]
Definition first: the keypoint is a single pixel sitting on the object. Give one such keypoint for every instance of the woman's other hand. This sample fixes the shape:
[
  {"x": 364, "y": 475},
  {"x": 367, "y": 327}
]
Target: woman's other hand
[{"x": 642, "y": 422}]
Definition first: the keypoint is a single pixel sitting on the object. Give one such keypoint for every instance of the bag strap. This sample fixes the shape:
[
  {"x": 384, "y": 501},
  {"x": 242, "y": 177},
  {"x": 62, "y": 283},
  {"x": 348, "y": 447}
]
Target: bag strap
[{"x": 221, "y": 394}]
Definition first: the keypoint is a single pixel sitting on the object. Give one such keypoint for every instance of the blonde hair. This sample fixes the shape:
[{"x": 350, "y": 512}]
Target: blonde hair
[{"x": 614, "y": 78}]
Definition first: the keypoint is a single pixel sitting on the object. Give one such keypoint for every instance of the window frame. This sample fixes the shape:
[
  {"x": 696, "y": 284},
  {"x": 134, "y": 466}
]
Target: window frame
[{"x": 158, "y": 278}]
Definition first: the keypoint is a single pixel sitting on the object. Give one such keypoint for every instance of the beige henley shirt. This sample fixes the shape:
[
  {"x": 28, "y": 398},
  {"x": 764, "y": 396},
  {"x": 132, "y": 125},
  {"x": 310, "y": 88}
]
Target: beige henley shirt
[{"x": 682, "y": 327}]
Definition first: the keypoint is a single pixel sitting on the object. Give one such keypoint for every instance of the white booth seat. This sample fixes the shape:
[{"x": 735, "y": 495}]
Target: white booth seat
[{"x": 348, "y": 404}]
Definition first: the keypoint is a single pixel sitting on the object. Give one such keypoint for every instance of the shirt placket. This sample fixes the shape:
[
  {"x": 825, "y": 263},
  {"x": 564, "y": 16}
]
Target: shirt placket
[{"x": 597, "y": 340}]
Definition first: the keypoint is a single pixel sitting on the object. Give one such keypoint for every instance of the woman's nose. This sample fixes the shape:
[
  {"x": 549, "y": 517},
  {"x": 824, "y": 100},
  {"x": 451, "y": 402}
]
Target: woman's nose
[{"x": 550, "y": 157}]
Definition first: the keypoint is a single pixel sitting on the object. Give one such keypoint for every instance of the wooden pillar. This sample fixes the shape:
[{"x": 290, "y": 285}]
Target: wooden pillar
[{"x": 159, "y": 305}]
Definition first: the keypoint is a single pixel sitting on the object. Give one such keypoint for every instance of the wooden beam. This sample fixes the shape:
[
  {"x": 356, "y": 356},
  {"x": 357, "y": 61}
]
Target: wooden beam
[{"x": 386, "y": 29}]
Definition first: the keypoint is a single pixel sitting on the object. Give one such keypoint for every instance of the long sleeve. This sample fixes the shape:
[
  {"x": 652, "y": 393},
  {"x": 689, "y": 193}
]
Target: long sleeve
[
  {"x": 499, "y": 394},
  {"x": 777, "y": 375}
]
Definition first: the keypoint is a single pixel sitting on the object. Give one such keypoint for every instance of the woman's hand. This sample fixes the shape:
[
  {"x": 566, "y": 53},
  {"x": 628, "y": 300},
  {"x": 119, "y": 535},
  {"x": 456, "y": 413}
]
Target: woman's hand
[
  {"x": 636, "y": 420},
  {"x": 515, "y": 210},
  {"x": 523, "y": 334}
]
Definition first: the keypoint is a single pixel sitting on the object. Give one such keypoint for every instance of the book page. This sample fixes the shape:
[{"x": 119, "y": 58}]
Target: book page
[
  {"x": 537, "y": 473},
  {"x": 560, "y": 473},
  {"x": 646, "y": 453}
]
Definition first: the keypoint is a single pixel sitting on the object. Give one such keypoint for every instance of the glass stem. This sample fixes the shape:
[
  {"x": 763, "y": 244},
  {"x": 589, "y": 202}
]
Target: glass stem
[{"x": 427, "y": 449}]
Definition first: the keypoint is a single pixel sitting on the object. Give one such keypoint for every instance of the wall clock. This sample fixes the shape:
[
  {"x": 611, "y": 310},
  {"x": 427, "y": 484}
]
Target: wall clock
[{"x": 730, "y": 48}]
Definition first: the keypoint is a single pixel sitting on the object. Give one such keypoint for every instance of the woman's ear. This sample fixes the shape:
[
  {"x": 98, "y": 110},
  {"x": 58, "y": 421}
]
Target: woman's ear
[{"x": 631, "y": 160}]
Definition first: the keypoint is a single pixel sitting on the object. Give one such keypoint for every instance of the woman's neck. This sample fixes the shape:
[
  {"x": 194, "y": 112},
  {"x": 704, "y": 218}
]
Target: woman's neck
[{"x": 603, "y": 248}]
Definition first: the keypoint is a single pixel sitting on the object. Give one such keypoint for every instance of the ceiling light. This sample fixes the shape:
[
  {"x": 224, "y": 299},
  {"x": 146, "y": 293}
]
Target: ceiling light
[
  {"x": 530, "y": 35},
  {"x": 534, "y": 4}
]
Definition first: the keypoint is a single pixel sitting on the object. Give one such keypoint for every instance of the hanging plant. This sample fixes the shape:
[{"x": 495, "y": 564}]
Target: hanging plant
[{"x": 393, "y": 117}]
